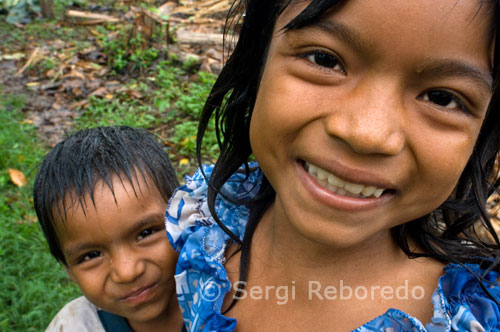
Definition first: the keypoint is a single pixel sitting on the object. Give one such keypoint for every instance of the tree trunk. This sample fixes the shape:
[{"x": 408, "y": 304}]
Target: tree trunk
[{"x": 48, "y": 9}]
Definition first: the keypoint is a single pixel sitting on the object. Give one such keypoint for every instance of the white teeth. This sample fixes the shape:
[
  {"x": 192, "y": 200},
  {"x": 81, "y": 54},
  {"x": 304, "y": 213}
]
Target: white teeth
[
  {"x": 354, "y": 188},
  {"x": 333, "y": 189},
  {"x": 312, "y": 168},
  {"x": 368, "y": 191},
  {"x": 341, "y": 187},
  {"x": 335, "y": 181},
  {"x": 322, "y": 175}
]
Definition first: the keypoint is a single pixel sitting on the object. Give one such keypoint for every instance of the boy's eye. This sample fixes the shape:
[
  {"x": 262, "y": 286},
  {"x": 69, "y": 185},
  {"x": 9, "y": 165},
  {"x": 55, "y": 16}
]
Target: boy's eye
[
  {"x": 145, "y": 233},
  {"x": 445, "y": 99},
  {"x": 89, "y": 256},
  {"x": 325, "y": 60}
]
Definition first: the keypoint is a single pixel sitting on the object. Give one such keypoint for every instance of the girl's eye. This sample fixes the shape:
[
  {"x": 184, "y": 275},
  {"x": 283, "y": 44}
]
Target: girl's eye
[
  {"x": 89, "y": 256},
  {"x": 145, "y": 233},
  {"x": 445, "y": 99},
  {"x": 325, "y": 60}
]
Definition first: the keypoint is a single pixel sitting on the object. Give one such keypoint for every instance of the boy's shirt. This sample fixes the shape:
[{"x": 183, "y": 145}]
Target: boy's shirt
[{"x": 80, "y": 315}]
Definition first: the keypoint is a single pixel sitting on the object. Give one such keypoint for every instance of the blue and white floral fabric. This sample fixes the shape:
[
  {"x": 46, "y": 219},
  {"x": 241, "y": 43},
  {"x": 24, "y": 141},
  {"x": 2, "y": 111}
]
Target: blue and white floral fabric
[{"x": 460, "y": 304}]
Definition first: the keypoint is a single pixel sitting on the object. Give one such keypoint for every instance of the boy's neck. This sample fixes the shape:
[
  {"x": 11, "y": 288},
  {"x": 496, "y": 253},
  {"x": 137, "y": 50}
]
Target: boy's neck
[{"x": 171, "y": 320}]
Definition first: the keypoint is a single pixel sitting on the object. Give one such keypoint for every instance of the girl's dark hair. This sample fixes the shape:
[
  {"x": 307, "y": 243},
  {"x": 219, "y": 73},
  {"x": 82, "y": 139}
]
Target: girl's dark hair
[
  {"x": 71, "y": 170},
  {"x": 459, "y": 231}
]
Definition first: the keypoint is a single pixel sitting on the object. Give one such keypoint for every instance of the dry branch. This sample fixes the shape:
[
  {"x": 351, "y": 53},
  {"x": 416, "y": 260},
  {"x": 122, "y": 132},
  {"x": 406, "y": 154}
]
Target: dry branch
[
  {"x": 191, "y": 37},
  {"x": 88, "y": 18}
]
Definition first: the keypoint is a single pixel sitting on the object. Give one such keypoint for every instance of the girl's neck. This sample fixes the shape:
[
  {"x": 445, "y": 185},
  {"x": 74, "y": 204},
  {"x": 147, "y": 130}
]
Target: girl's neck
[
  {"x": 288, "y": 267},
  {"x": 281, "y": 247}
]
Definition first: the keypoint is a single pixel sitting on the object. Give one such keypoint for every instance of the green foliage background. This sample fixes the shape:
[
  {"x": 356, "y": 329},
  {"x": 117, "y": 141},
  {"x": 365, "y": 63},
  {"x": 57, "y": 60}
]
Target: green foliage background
[{"x": 34, "y": 287}]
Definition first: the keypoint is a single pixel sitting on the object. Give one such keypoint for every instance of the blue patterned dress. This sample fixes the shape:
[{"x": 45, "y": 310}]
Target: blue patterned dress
[{"x": 460, "y": 304}]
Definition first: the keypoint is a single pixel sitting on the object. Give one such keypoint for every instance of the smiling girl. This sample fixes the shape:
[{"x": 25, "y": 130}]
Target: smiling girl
[{"x": 375, "y": 128}]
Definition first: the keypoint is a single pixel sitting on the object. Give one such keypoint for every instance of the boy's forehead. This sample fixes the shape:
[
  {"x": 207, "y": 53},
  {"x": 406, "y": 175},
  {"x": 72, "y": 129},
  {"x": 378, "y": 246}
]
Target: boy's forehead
[
  {"x": 104, "y": 195},
  {"x": 113, "y": 215}
]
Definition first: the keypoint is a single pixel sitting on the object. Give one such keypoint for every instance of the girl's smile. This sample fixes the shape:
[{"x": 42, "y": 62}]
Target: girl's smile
[
  {"x": 354, "y": 195},
  {"x": 365, "y": 119},
  {"x": 343, "y": 187}
]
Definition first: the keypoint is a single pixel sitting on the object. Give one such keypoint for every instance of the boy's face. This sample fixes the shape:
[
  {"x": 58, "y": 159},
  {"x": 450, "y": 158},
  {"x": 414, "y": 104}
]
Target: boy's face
[{"x": 118, "y": 251}]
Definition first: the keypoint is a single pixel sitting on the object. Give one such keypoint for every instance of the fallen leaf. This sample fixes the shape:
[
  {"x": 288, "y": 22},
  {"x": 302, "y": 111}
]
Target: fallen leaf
[
  {"x": 17, "y": 177},
  {"x": 13, "y": 56},
  {"x": 100, "y": 92},
  {"x": 183, "y": 162},
  {"x": 28, "y": 219}
]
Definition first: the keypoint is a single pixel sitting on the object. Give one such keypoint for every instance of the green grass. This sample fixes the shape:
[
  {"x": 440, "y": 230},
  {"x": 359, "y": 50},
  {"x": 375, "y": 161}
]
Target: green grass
[
  {"x": 38, "y": 32},
  {"x": 34, "y": 286},
  {"x": 119, "y": 110}
]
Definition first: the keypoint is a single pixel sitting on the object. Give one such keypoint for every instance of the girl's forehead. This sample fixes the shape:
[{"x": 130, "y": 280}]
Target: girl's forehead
[
  {"x": 466, "y": 23},
  {"x": 473, "y": 11}
]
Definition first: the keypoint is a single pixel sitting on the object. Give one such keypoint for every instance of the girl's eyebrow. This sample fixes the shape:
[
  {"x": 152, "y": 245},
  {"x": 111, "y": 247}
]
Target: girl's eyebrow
[
  {"x": 455, "y": 68},
  {"x": 430, "y": 68},
  {"x": 341, "y": 31}
]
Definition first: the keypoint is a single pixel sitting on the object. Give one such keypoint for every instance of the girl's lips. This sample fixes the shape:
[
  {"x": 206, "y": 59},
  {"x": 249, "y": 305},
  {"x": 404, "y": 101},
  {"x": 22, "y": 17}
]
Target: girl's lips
[
  {"x": 140, "y": 295},
  {"x": 337, "y": 201}
]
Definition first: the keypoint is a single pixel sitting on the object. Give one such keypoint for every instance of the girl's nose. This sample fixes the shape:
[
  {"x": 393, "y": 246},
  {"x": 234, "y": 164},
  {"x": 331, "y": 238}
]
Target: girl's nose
[
  {"x": 126, "y": 266},
  {"x": 370, "y": 121}
]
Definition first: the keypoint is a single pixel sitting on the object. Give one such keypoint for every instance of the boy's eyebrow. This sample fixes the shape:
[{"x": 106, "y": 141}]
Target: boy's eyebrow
[
  {"x": 431, "y": 68},
  {"x": 72, "y": 251},
  {"x": 146, "y": 221}
]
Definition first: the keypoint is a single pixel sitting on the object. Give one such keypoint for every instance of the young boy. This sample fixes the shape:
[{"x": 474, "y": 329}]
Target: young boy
[{"x": 100, "y": 196}]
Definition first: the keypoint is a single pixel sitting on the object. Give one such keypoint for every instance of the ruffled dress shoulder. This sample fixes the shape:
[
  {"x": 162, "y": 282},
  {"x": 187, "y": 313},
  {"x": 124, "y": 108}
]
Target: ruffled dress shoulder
[
  {"x": 461, "y": 302},
  {"x": 201, "y": 279}
]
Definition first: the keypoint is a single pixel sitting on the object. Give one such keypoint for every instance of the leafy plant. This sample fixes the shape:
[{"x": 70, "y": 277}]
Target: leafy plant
[
  {"x": 19, "y": 11},
  {"x": 124, "y": 52},
  {"x": 33, "y": 286},
  {"x": 106, "y": 112},
  {"x": 22, "y": 11}
]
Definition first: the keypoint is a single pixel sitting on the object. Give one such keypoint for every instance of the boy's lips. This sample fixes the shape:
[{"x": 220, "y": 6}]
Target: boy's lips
[{"x": 139, "y": 295}]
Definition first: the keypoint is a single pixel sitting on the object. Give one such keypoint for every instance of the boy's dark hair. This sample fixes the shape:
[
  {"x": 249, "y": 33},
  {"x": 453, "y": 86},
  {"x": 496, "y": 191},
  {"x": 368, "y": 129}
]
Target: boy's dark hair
[
  {"x": 71, "y": 170},
  {"x": 450, "y": 234}
]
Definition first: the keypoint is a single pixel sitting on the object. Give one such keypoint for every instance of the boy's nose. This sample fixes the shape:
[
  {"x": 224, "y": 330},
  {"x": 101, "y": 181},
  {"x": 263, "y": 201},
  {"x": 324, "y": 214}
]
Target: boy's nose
[
  {"x": 126, "y": 266},
  {"x": 370, "y": 121}
]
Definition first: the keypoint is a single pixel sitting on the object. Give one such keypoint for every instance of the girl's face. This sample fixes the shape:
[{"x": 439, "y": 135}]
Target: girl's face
[{"x": 365, "y": 119}]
